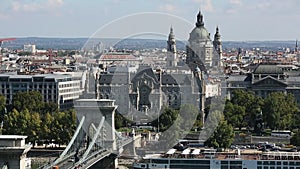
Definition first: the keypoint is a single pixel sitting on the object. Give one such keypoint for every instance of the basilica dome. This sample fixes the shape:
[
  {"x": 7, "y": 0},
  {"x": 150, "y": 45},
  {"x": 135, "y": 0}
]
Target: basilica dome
[{"x": 199, "y": 33}]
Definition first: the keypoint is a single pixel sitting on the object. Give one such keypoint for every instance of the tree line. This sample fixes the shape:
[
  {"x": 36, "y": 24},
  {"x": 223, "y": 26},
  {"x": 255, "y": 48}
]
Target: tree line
[
  {"x": 42, "y": 122},
  {"x": 245, "y": 110},
  {"x": 278, "y": 111}
]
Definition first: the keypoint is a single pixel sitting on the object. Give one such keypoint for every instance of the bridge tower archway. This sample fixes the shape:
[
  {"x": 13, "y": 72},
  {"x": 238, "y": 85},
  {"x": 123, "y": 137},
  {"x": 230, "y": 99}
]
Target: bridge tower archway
[{"x": 94, "y": 110}]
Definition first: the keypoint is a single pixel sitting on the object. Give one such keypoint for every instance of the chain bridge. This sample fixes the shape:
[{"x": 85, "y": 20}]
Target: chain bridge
[{"x": 95, "y": 143}]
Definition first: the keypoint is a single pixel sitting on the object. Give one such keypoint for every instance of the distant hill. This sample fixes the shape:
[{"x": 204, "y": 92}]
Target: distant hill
[
  {"x": 47, "y": 43},
  {"x": 78, "y": 43}
]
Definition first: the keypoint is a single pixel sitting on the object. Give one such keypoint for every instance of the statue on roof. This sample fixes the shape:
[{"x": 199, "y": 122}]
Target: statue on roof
[{"x": 199, "y": 20}]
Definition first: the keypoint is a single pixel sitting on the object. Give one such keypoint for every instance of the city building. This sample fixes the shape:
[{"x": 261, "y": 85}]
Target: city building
[
  {"x": 267, "y": 78},
  {"x": 201, "y": 51},
  {"x": 29, "y": 48},
  {"x": 146, "y": 89},
  {"x": 60, "y": 89}
]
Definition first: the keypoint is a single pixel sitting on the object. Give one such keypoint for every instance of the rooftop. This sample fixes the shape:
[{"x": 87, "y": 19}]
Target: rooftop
[
  {"x": 105, "y": 57},
  {"x": 268, "y": 69},
  {"x": 12, "y": 137}
]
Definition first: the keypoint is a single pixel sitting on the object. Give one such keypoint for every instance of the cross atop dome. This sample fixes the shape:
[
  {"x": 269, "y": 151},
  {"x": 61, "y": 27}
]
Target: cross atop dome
[{"x": 199, "y": 22}]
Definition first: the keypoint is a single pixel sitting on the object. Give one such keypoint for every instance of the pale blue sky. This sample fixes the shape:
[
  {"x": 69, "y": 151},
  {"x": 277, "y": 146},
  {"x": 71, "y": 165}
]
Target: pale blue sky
[{"x": 237, "y": 19}]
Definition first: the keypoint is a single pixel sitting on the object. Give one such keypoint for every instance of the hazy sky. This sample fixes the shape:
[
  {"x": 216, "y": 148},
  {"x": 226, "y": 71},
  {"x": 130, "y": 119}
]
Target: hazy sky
[{"x": 237, "y": 19}]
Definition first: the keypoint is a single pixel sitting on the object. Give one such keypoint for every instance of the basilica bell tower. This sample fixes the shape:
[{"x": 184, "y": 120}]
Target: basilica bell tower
[{"x": 171, "y": 50}]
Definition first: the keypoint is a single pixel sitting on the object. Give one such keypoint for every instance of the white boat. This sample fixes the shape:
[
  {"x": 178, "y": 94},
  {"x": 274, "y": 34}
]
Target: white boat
[{"x": 210, "y": 159}]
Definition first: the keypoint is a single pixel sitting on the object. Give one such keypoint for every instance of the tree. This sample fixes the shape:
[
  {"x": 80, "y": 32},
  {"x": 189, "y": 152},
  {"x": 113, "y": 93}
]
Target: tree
[
  {"x": 63, "y": 126},
  {"x": 32, "y": 101},
  {"x": 33, "y": 126},
  {"x": 259, "y": 124},
  {"x": 38, "y": 120},
  {"x": 295, "y": 140},
  {"x": 23, "y": 123},
  {"x": 166, "y": 119},
  {"x": 13, "y": 124},
  {"x": 25, "y": 53},
  {"x": 245, "y": 107},
  {"x": 121, "y": 121},
  {"x": 2, "y": 107},
  {"x": 235, "y": 114},
  {"x": 279, "y": 110},
  {"x": 222, "y": 137},
  {"x": 188, "y": 115},
  {"x": 46, "y": 128},
  {"x": 49, "y": 107}
]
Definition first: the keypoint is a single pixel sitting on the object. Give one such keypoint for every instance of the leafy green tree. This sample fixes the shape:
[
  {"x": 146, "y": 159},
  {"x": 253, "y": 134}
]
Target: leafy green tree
[
  {"x": 222, "y": 137},
  {"x": 46, "y": 128},
  {"x": 32, "y": 101},
  {"x": 259, "y": 124},
  {"x": 69, "y": 121},
  {"x": 211, "y": 123},
  {"x": 38, "y": 120},
  {"x": 33, "y": 126},
  {"x": 118, "y": 121},
  {"x": 188, "y": 115},
  {"x": 121, "y": 121},
  {"x": 249, "y": 106},
  {"x": 2, "y": 107},
  {"x": 63, "y": 126},
  {"x": 295, "y": 140},
  {"x": 175, "y": 124},
  {"x": 58, "y": 127},
  {"x": 13, "y": 123},
  {"x": 279, "y": 110},
  {"x": 198, "y": 123},
  {"x": 166, "y": 119},
  {"x": 296, "y": 120},
  {"x": 235, "y": 114},
  {"x": 25, "y": 53},
  {"x": 49, "y": 107},
  {"x": 23, "y": 123}
]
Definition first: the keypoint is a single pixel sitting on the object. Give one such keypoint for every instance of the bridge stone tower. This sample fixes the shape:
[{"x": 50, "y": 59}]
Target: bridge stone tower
[
  {"x": 13, "y": 151},
  {"x": 94, "y": 110}
]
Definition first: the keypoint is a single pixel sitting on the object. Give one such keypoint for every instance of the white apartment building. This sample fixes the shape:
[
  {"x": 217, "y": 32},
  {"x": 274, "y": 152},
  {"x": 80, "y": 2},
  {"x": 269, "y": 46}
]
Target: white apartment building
[
  {"x": 60, "y": 89},
  {"x": 29, "y": 48}
]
